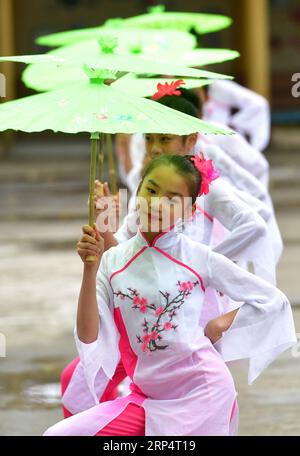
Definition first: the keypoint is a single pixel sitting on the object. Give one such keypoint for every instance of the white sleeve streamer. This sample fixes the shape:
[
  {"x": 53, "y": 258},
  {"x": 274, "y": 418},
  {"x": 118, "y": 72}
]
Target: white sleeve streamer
[
  {"x": 104, "y": 352},
  {"x": 134, "y": 177},
  {"x": 129, "y": 226},
  {"x": 275, "y": 234},
  {"x": 253, "y": 116},
  {"x": 263, "y": 327},
  {"x": 249, "y": 240},
  {"x": 239, "y": 176},
  {"x": 257, "y": 205},
  {"x": 245, "y": 155},
  {"x": 255, "y": 121},
  {"x": 137, "y": 148}
]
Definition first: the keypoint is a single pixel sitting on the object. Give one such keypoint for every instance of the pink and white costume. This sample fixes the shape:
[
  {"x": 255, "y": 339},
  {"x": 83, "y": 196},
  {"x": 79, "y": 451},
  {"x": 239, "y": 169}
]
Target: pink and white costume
[
  {"x": 246, "y": 240},
  {"x": 241, "y": 152},
  {"x": 235, "y": 146},
  {"x": 245, "y": 184},
  {"x": 230, "y": 169},
  {"x": 248, "y": 237},
  {"x": 150, "y": 298},
  {"x": 237, "y": 161},
  {"x": 252, "y": 118}
]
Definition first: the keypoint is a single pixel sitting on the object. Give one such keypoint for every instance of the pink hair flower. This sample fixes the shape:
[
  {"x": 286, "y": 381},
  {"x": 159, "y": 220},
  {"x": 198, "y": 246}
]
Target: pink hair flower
[
  {"x": 168, "y": 89},
  {"x": 207, "y": 171}
]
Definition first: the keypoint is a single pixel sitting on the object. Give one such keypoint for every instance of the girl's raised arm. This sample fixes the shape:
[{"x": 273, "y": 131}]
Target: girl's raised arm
[
  {"x": 102, "y": 353},
  {"x": 263, "y": 326}
]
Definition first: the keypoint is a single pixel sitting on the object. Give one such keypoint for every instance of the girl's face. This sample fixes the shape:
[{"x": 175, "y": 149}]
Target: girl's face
[
  {"x": 158, "y": 144},
  {"x": 163, "y": 198}
]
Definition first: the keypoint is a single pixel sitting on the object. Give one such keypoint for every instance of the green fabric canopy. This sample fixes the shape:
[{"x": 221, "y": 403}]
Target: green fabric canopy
[
  {"x": 130, "y": 40},
  {"x": 95, "y": 107},
  {"x": 92, "y": 106},
  {"x": 48, "y": 77},
  {"x": 159, "y": 19},
  {"x": 116, "y": 63}
]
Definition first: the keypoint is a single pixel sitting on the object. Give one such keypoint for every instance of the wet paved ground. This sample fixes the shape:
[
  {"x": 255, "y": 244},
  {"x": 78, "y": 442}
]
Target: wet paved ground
[{"x": 40, "y": 279}]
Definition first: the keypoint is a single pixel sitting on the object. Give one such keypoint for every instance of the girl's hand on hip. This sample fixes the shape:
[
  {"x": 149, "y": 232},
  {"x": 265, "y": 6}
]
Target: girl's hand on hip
[{"x": 213, "y": 330}]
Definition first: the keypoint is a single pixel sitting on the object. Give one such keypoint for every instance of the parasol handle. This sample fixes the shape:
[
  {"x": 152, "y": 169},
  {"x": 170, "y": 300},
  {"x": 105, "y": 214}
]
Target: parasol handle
[
  {"x": 93, "y": 163},
  {"x": 101, "y": 158},
  {"x": 112, "y": 167}
]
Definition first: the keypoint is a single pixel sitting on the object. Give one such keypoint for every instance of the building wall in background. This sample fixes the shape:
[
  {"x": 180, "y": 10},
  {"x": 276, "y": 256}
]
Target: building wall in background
[
  {"x": 285, "y": 46},
  {"x": 37, "y": 17}
]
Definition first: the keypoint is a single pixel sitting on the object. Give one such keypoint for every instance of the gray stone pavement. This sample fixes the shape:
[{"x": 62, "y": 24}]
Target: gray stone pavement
[{"x": 42, "y": 209}]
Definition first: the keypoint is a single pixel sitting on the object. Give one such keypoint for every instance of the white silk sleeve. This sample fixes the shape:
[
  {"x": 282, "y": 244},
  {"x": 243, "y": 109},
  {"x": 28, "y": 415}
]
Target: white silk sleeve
[
  {"x": 254, "y": 120},
  {"x": 245, "y": 155},
  {"x": 253, "y": 116},
  {"x": 104, "y": 352},
  {"x": 134, "y": 177},
  {"x": 277, "y": 241},
  {"x": 240, "y": 177},
  {"x": 249, "y": 240},
  {"x": 137, "y": 148},
  {"x": 257, "y": 205},
  {"x": 249, "y": 158},
  {"x": 129, "y": 226},
  {"x": 263, "y": 327}
]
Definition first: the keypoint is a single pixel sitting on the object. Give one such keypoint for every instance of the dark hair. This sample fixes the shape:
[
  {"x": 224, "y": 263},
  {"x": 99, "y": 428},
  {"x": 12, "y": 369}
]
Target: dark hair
[
  {"x": 179, "y": 103},
  {"x": 183, "y": 165},
  {"x": 193, "y": 97}
]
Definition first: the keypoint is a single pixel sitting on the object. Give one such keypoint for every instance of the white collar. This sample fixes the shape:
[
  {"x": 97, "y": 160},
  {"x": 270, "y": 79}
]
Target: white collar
[{"x": 163, "y": 240}]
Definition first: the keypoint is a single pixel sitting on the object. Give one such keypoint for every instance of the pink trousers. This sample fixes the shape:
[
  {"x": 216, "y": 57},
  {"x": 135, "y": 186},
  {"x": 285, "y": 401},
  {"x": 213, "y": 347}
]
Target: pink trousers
[{"x": 131, "y": 422}]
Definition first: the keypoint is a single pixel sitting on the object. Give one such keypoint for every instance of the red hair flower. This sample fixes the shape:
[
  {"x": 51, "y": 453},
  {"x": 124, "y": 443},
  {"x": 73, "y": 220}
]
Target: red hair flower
[
  {"x": 207, "y": 171},
  {"x": 168, "y": 89}
]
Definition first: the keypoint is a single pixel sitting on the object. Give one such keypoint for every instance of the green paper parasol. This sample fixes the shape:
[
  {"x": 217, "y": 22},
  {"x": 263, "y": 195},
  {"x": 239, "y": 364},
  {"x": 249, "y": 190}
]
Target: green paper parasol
[
  {"x": 46, "y": 77},
  {"x": 140, "y": 87},
  {"x": 146, "y": 87},
  {"x": 112, "y": 62},
  {"x": 157, "y": 18},
  {"x": 96, "y": 108},
  {"x": 130, "y": 40},
  {"x": 203, "y": 57},
  {"x": 93, "y": 106}
]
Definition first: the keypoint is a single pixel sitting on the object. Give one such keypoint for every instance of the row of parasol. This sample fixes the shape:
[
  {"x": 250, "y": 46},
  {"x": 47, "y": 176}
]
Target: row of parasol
[{"x": 97, "y": 81}]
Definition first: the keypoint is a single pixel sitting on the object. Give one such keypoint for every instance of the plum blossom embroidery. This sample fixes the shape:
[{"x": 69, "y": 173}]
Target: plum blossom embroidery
[
  {"x": 152, "y": 338},
  {"x": 186, "y": 286}
]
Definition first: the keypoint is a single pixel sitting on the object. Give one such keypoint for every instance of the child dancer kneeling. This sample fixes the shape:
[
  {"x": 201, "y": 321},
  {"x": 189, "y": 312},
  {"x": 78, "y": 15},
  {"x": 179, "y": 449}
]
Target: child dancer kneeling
[{"x": 141, "y": 302}]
